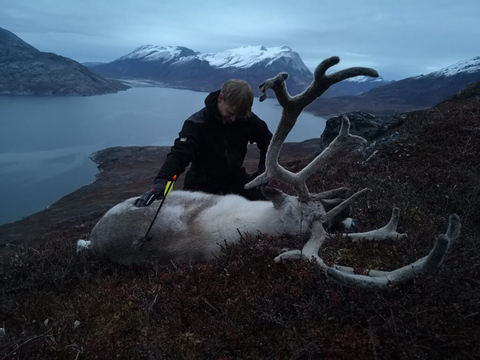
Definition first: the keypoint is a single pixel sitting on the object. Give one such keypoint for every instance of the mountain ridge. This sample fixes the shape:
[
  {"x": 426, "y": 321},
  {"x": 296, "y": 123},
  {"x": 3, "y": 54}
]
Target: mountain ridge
[
  {"x": 24, "y": 70},
  {"x": 182, "y": 67},
  {"x": 185, "y": 68},
  {"x": 413, "y": 93}
]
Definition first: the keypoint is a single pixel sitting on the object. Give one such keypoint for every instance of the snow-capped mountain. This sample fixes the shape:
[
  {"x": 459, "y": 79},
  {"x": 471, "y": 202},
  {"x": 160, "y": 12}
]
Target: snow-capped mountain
[
  {"x": 158, "y": 53},
  {"x": 408, "y": 94},
  {"x": 248, "y": 56},
  {"x": 356, "y": 86},
  {"x": 182, "y": 67},
  {"x": 428, "y": 90},
  {"x": 470, "y": 66}
]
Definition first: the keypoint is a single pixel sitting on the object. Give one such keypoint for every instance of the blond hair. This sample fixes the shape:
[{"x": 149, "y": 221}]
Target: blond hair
[{"x": 239, "y": 95}]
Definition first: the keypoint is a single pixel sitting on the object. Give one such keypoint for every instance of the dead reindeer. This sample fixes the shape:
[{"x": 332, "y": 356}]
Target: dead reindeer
[{"x": 192, "y": 225}]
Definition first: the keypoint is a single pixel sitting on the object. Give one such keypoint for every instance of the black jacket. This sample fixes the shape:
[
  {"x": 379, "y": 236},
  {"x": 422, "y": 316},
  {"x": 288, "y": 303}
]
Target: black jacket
[{"x": 216, "y": 150}]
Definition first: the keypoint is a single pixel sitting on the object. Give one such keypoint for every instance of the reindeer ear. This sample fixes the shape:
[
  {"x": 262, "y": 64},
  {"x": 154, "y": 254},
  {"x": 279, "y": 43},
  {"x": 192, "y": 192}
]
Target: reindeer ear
[{"x": 275, "y": 195}]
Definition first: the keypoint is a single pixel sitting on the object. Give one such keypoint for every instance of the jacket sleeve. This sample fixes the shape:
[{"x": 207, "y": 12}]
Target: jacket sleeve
[
  {"x": 262, "y": 136},
  {"x": 182, "y": 152}
]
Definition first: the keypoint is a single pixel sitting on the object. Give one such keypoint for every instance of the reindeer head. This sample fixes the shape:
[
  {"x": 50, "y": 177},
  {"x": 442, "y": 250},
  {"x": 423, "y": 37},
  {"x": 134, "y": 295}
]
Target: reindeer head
[{"x": 295, "y": 215}]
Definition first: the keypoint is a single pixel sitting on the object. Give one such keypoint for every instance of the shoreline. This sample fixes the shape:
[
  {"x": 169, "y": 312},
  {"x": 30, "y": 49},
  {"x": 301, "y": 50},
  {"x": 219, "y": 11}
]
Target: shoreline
[{"x": 124, "y": 172}]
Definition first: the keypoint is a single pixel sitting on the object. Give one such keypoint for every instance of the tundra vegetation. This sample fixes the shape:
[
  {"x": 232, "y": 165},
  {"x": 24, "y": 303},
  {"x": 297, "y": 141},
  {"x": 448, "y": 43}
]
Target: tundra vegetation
[
  {"x": 192, "y": 224},
  {"x": 242, "y": 304}
]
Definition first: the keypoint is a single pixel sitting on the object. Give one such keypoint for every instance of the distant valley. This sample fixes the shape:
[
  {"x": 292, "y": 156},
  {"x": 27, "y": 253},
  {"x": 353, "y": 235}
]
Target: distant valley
[{"x": 25, "y": 70}]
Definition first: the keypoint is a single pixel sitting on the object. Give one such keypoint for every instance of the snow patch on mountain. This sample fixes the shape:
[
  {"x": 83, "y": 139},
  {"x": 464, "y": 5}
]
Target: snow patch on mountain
[
  {"x": 246, "y": 56},
  {"x": 241, "y": 58},
  {"x": 159, "y": 53},
  {"x": 465, "y": 66},
  {"x": 365, "y": 79}
]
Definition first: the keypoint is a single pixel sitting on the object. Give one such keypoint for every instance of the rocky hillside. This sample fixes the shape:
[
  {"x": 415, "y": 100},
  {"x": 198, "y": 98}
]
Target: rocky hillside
[
  {"x": 59, "y": 304},
  {"x": 25, "y": 70}
]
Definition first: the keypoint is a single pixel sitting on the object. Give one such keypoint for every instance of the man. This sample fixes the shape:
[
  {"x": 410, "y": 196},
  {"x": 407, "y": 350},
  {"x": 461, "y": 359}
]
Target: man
[{"x": 214, "y": 140}]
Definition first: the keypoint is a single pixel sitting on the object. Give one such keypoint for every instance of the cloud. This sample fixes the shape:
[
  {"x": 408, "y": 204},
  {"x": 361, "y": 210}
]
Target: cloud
[{"x": 402, "y": 38}]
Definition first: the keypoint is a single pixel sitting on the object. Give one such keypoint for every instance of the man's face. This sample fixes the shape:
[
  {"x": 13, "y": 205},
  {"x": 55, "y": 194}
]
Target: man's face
[{"x": 227, "y": 111}]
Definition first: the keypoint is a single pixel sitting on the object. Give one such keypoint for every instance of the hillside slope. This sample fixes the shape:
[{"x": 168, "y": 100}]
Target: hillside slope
[
  {"x": 25, "y": 70},
  {"x": 409, "y": 94},
  {"x": 57, "y": 304}
]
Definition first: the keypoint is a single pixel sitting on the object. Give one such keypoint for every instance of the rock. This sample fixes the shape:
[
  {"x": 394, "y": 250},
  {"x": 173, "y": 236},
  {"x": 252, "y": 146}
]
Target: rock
[
  {"x": 363, "y": 124},
  {"x": 470, "y": 92}
]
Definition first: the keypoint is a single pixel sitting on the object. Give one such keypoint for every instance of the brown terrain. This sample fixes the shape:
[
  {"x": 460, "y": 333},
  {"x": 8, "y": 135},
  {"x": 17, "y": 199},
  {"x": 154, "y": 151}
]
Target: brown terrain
[{"x": 57, "y": 304}]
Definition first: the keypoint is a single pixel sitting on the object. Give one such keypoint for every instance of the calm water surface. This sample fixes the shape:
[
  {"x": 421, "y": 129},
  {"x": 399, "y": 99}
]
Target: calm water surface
[{"x": 45, "y": 142}]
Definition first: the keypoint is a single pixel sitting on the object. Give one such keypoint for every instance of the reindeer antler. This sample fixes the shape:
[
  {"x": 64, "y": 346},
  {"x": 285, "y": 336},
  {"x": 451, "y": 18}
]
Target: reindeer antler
[
  {"x": 292, "y": 107},
  {"x": 376, "y": 278}
]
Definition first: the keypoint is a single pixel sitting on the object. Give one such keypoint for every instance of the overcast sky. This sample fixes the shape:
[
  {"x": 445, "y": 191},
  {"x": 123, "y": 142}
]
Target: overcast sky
[{"x": 399, "y": 38}]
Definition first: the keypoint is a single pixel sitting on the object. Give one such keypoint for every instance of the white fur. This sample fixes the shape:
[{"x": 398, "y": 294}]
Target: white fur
[{"x": 191, "y": 226}]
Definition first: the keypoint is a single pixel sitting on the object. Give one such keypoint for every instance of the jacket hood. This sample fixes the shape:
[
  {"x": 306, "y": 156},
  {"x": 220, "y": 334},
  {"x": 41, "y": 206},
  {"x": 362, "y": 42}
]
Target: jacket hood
[{"x": 211, "y": 101}]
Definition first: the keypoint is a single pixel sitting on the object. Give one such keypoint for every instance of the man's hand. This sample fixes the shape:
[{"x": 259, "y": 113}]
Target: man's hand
[{"x": 155, "y": 193}]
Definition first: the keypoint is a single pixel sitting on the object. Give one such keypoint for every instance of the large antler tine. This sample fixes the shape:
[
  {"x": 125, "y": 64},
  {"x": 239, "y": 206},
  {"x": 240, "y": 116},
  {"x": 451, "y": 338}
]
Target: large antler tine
[
  {"x": 322, "y": 81},
  {"x": 351, "y": 72},
  {"x": 343, "y": 139},
  {"x": 326, "y": 64},
  {"x": 388, "y": 232},
  {"x": 454, "y": 227},
  {"x": 356, "y": 281},
  {"x": 310, "y": 249},
  {"x": 278, "y": 85},
  {"x": 334, "y": 193},
  {"x": 382, "y": 279},
  {"x": 342, "y": 74},
  {"x": 344, "y": 135},
  {"x": 292, "y": 107},
  {"x": 337, "y": 210}
]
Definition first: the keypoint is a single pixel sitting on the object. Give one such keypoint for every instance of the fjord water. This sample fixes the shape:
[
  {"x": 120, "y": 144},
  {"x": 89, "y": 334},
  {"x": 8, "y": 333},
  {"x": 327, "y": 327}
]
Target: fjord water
[{"x": 45, "y": 142}]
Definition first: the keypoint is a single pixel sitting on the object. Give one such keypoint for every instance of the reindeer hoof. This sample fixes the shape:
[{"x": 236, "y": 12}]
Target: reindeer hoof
[{"x": 82, "y": 245}]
